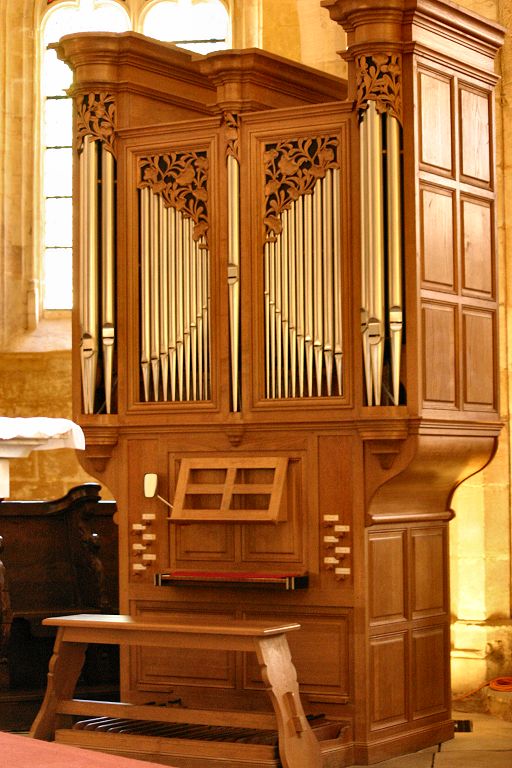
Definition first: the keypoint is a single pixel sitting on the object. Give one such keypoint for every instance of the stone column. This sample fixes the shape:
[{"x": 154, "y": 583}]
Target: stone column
[{"x": 18, "y": 137}]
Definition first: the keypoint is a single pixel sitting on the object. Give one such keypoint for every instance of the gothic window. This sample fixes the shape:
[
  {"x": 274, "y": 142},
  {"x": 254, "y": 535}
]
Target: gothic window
[{"x": 199, "y": 25}]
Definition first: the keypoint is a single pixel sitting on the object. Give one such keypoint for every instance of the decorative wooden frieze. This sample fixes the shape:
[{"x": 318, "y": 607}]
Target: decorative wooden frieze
[
  {"x": 292, "y": 168},
  {"x": 96, "y": 115},
  {"x": 232, "y": 135},
  {"x": 379, "y": 79},
  {"x": 181, "y": 178}
]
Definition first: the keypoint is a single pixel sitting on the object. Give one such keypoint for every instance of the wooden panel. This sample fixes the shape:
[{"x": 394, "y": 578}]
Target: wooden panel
[
  {"x": 479, "y": 361},
  {"x": 387, "y": 561},
  {"x": 436, "y": 138},
  {"x": 430, "y": 653},
  {"x": 387, "y": 680},
  {"x": 336, "y": 460},
  {"x": 207, "y": 542},
  {"x": 429, "y": 585},
  {"x": 320, "y": 674},
  {"x": 439, "y": 343},
  {"x": 159, "y": 668},
  {"x": 475, "y": 145},
  {"x": 477, "y": 248},
  {"x": 437, "y": 229}
]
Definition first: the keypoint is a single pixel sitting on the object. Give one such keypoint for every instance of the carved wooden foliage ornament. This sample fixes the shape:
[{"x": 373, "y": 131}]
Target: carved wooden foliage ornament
[
  {"x": 232, "y": 135},
  {"x": 96, "y": 117},
  {"x": 292, "y": 169},
  {"x": 379, "y": 79},
  {"x": 182, "y": 180}
]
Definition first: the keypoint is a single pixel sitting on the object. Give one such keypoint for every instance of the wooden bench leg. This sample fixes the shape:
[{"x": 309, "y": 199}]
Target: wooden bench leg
[
  {"x": 298, "y": 745},
  {"x": 63, "y": 672}
]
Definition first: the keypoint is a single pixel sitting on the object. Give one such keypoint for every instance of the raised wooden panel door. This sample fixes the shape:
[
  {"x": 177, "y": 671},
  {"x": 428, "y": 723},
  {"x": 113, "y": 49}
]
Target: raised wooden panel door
[
  {"x": 440, "y": 366},
  {"x": 429, "y": 587},
  {"x": 320, "y": 653},
  {"x": 475, "y": 128},
  {"x": 387, "y": 683},
  {"x": 479, "y": 359},
  {"x": 477, "y": 248},
  {"x": 437, "y": 243},
  {"x": 436, "y": 135},
  {"x": 430, "y": 670},
  {"x": 387, "y": 561},
  {"x": 205, "y": 542},
  {"x": 159, "y": 668}
]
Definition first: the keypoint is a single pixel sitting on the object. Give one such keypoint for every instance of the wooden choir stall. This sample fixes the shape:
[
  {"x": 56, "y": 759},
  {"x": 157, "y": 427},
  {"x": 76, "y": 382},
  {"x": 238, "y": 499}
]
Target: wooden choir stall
[{"x": 285, "y": 359}]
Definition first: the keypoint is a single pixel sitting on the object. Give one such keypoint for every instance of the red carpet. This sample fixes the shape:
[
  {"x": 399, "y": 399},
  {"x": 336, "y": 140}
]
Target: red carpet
[{"x": 23, "y": 752}]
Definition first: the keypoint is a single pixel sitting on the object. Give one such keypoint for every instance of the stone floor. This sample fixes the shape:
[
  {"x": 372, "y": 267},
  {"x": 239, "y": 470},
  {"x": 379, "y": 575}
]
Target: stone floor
[{"x": 488, "y": 745}]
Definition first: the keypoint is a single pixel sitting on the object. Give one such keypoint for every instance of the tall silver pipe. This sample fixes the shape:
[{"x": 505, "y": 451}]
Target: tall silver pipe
[
  {"x": 394, "y": 227},
  {"x": 365, "y": 254},
  {"x": 299, "y": 239},
  {"x": 309, "y": 297},
  {"x": 278, "y": 309},
  {"x": 272, "y": 313},
  {"x": 266, "y": 299},
  {"x": 199, "y": 319},
  {"x": 173, "y": 302},
  {"x": 164, "y": 296},
  {"x": 154, "y": 301},
  {"x": 206, "y": 318},
  {"x": 286, "y": 255},
  {"x": 292, "y": 274},
  {"x": 328, "y": 309},
  {"x": 193, "y": 317},
  {"x": 186, "y": 303},
  {"x": 107, "y": 281},
  {"x": 179, "y": 306},
  {"x": 145, "y": 292},
  {"x": 376, "y": 243},
  {"x": 233, "y": 174},
  {"x": 89, "y": 271},
  {"x": 337, "y": 284},
  {"x": 318, "y": 259}
]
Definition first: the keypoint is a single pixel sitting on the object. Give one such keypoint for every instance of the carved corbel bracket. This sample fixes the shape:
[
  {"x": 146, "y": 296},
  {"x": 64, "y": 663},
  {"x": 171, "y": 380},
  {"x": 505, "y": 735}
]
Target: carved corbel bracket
[
  {"x": 385, "y": 450},
  {"x": 99, "y": 447},
  {"x": 235, "y": 434}
]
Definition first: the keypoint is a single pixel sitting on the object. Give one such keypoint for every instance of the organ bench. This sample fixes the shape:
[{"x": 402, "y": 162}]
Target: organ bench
[{"x": 298, "y": 746}]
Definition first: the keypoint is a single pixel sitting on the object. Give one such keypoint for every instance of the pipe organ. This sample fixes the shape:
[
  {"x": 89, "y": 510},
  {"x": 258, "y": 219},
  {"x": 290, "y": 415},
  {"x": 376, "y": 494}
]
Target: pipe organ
[{"x": 287, "y": 315}]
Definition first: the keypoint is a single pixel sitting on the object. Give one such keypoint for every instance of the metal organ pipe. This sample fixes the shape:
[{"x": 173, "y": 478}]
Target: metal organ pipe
[
  {"x": 302, "y": 296},
  {"x": 154, "y": 282},
  {"x": 337, "y": 285},
  {"x": 174, "y": 301},
  {"x": 108, "y": 267},
  {"x": 394, "y": 221},
  {"x": 145, "y": 291},
  {"x": 380, "y": 197},
  {"x": 89, "y": 282},
  {"x": 172, "y": 304},
  {"x": 164, "y": 296},
  {"x": 233, "y": 169}
]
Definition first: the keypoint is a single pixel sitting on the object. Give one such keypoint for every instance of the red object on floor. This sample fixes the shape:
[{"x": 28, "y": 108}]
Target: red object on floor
[{"x": 23, "y": 752}]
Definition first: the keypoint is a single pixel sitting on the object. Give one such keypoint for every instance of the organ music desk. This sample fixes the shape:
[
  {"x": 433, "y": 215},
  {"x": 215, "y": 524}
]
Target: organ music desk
[{"x": 298, "y": 747}]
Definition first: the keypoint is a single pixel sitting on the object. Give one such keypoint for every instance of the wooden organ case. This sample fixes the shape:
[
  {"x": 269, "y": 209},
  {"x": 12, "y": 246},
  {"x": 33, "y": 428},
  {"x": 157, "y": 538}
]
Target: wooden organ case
[{"x": 286, "y": 310}]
